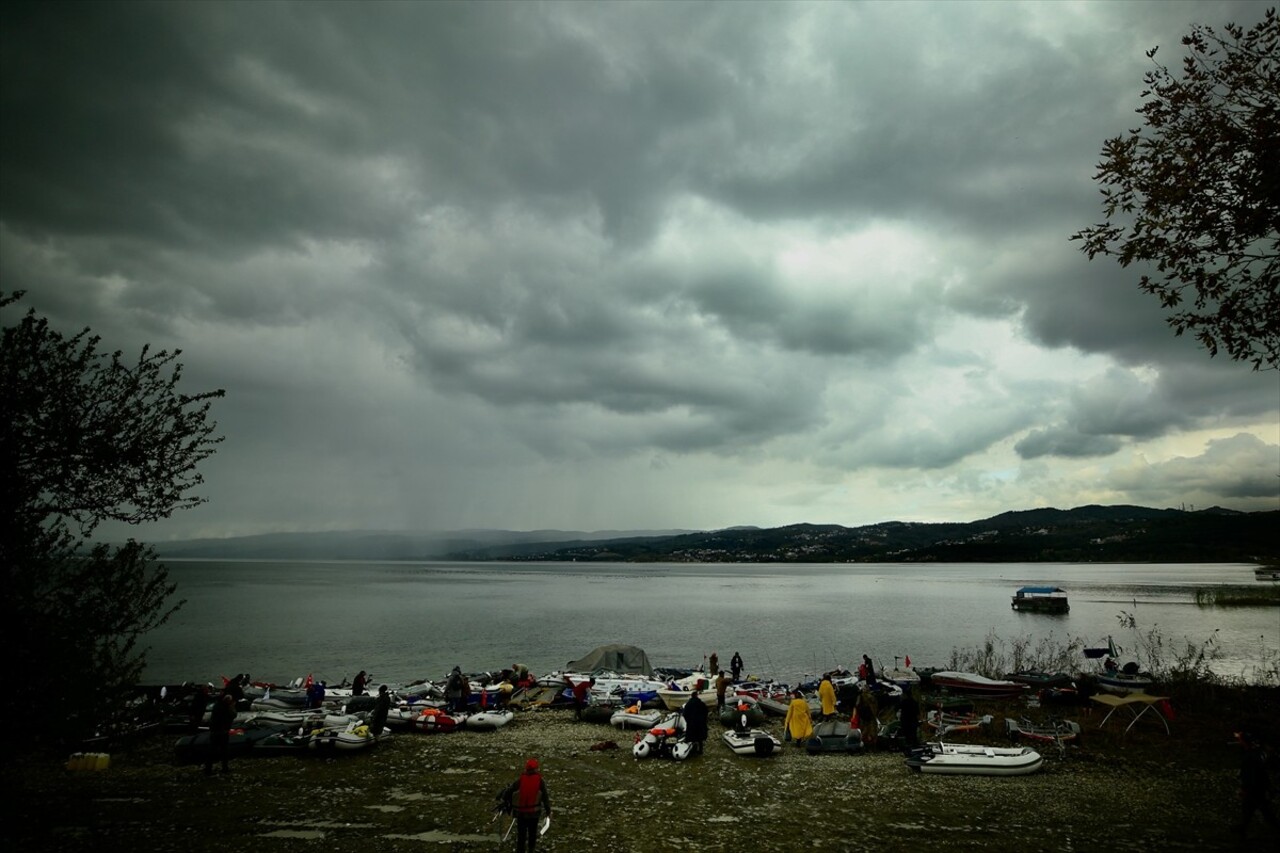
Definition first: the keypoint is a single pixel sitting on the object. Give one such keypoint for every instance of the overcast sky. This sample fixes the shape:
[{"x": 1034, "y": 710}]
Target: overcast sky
[{"x": 622, "y": 265}]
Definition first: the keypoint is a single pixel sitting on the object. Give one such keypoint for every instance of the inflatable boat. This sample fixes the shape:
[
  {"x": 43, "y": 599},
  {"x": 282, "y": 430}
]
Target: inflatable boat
[
  {"x": 488, "y": 721},
  {"x": 632, "y": 717},
  {"x": 665, "y": 740},
  {"x": 756, "y": 742},
  {"x": 962, "y": 759}
]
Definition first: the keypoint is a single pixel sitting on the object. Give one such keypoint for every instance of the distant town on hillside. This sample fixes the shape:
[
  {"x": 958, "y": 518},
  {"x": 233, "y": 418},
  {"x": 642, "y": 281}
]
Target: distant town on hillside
[{"x": 1083, "y": 534}]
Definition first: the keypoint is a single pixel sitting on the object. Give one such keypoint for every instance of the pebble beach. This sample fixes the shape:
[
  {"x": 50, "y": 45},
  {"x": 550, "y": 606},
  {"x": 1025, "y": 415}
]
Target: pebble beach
[{"x": 1141, "y": 790}]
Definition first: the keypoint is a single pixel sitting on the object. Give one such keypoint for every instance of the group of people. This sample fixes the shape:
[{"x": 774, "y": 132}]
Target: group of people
[
  {"x": 220, "y": 718},
  {"x": 865, "y": 716}
]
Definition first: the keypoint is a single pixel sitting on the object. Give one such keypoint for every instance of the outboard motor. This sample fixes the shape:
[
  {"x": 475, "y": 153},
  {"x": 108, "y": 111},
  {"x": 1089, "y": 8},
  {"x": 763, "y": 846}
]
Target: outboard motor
[{"x": 764, "y": 746}]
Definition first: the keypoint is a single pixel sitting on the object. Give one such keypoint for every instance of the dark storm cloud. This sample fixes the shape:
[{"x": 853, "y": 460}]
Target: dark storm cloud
[
  {"x": 527, "y": 233},
  {"x": 1067, "y": 443}
]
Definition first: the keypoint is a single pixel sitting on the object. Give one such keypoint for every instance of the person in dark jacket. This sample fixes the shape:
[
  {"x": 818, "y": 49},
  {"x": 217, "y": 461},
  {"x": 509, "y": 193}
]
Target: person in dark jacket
[
  {"x": 359, "y": 684},
  {"x": 695, "y": 722},
  {"x": 381, "y": 707},
  {"x": 196, "y": 709},
  {"x": 525, "y": 799},
  {"x": 235, "y": 688},
  {"x": 457, "y": 690},
  {"x": 735, "y": 667},
  {"x": 909, "y": 715},
  {"x": 224, "y": 712},
  {"x": 1255, "y": 783}
]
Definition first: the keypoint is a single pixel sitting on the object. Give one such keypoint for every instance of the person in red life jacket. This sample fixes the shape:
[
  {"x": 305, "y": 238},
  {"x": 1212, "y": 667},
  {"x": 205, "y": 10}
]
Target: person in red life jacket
[
  {"x": 581, "y": 690},
  {"x": 527, "y": 797}
]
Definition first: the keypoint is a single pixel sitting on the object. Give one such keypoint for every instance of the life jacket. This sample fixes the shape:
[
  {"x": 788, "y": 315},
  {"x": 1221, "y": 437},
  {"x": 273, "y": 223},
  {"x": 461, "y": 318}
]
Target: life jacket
[{"x": 529, "y": 795}]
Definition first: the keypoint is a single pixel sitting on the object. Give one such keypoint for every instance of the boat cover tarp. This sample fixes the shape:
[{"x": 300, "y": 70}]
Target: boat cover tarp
[
  {"x": 1039, "y": 590},
  {"x": 614, "y": 657}
]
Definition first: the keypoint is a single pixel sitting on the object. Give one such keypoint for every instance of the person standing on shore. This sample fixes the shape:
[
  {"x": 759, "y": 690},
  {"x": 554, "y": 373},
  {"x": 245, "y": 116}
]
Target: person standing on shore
[
  {"x": 195, "y": 711},
  {"x": 868, "y": 715},
  {"x": 827, "y": 693},
  {"x": 722, "y": 687},
  {"x": 581, "y": 693},
  {"x": 381, "y": 708},
  {"x": 358, "y": 685},
  {"x": 695, "y": 722},
  {"x": 526, "y": 798},
  {"x": 713, "y": 665},
  {"x": 224, "y": 712},
  {"x": 457, "y": 690},
  {"x": 909, "y": 717},
  {"x": 798, "y": 723},
  {"x": 1255, "y": 783},
  {"x": 735, "y": 667},
  {"x": 867, "y": 671}
]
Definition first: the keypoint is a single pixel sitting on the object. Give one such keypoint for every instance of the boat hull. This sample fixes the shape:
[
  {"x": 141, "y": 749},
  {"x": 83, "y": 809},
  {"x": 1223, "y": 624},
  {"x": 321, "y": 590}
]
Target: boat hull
[
  {"x": 488, "y": 721},
  {"x": 969, "y": 684},
  {"x": 960, "y": 760},
  {"x": 752, "y": 742}
]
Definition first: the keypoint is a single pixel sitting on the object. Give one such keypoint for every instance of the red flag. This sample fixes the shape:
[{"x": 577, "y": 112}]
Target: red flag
[{"x": 908, "y": 661}]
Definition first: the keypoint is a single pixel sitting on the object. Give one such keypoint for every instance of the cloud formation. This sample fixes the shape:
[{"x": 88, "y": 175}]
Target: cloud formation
[{"x": 621, "y": 265}]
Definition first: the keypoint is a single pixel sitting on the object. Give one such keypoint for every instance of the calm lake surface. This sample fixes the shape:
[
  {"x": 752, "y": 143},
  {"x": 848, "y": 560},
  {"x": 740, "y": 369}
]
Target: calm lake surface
[{"x": 403, "y": 621}]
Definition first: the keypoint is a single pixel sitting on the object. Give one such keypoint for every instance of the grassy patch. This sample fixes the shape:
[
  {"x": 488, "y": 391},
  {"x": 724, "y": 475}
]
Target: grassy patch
[{"x": 1238, "y": 596}]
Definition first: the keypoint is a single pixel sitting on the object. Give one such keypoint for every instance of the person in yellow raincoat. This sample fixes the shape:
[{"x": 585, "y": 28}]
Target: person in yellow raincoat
[
  {"x": 827, "y": 693},
  {"x": 799, "y": 726}
]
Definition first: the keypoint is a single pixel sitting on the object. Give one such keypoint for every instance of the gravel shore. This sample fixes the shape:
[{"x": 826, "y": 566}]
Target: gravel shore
[{"x": 1144, "y": 790}]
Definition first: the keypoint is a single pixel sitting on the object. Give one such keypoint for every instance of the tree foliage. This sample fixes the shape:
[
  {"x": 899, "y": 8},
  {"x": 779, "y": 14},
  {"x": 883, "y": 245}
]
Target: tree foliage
[
  {"x": 1196, "y": 191},
  {"x": 87, "y": 437}
]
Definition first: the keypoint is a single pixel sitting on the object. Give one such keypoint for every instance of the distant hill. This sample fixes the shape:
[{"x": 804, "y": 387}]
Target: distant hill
[
  {"x": 1084, "y": 534},
  {"x": 384, "y": 545}
]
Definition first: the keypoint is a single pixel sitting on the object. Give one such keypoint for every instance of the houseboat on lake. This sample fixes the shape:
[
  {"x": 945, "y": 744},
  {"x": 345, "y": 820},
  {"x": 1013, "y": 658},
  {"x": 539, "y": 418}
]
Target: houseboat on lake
[{"x": 1041, "y": 599}]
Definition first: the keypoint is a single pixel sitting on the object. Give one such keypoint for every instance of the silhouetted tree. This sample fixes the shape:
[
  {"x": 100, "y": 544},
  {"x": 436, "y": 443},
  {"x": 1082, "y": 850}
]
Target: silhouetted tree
[
  {"x": 85, "y": 437},
  {"x": 1196, "y": 191}
]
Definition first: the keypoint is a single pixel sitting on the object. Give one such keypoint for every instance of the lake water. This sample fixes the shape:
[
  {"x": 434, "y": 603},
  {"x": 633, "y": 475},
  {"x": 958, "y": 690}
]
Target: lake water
[{"x": 404, "y": 621}]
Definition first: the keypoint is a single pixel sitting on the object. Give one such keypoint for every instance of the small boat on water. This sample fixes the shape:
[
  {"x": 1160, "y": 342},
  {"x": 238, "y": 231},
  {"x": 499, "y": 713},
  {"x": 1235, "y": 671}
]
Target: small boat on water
[
  {"x": 1041, "y": 599},
  {"x": 756, "y": 742},
  {"x": 488, "y": 721},
  {"x": 972, "y": 684},
  {"x": 962, "y": 759}
]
